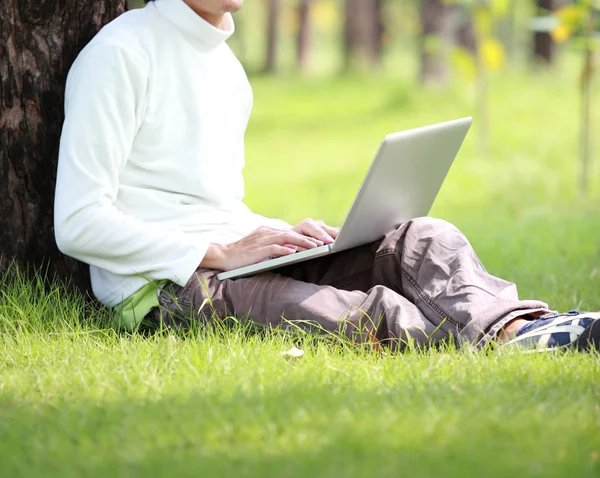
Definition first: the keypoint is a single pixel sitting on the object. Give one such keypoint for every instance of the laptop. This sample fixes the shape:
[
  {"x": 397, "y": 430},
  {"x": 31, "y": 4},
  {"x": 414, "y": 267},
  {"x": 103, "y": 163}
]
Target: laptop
[{"x": 401, "y": 184}]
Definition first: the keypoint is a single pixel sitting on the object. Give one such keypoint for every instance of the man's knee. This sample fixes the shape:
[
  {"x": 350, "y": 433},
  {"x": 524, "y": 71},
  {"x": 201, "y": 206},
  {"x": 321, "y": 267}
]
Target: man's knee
[
  {"x": 420, "y": 228},
  {"x": 430, "y": 224},
  {"x": 418, "y": 235},
  {"x": 431, "y": 229}
]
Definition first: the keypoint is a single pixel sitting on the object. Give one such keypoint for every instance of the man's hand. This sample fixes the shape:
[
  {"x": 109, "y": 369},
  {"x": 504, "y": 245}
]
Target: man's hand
[
  {"x": 316, "y": 230},
  {"x": 259, "y": 245}
]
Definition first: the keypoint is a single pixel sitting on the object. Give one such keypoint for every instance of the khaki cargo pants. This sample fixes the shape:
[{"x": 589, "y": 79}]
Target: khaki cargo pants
[{"x": 422, "y": 281}]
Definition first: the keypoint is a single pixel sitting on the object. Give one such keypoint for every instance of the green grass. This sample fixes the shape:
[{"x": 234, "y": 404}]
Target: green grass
[{"x": 79, "y": 399}]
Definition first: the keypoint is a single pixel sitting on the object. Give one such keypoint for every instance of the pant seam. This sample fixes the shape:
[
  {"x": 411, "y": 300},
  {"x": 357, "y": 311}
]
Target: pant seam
[
  {"x": 441, "y": 312},
  {"x": 385, "y": 252},
  {"x": 353, "y": 277},
  {"x": 174, "y": 305}
]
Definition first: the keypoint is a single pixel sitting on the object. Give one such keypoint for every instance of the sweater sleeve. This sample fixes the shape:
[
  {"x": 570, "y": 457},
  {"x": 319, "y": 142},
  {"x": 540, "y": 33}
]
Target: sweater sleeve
[
  {"x": 104, "y": 107},
  {"x": 271, "y": 222}
]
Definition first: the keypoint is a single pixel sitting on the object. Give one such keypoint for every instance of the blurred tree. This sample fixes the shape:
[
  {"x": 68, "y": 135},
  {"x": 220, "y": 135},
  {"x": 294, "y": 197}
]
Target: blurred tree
[
  {"x": 485, "y": 54},
  {"x": 580, "y": 20},
  {"x": 303, "y": 33},
  {"x": 463, "y": 28},
  {"x": 508, "y": 29},
  {"x": 434, "y": 31},
  {"x": 543, "y": 44},
  {"x": 272, "y": 36},
  {"x": 134, "y": 4},
  {"x": 363, "y": 32},
  {"x": 44, "y": 39}
]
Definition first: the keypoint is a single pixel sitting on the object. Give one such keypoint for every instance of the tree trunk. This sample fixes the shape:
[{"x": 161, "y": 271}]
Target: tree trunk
[
  {"x": 380, "y": 30},
  {"x": 509, "y": 35},
  {"x": 272, "y": 34},
  {"x": 434, "y": 21},
  {"x": 303, "y": 33},
  {"x": 587, "y": 81},
  {"x": 39, "y": 40},
  {"x": 543, "y": 44},
  {"x": 363, "y": 32},
  {"x": 464, "y": 31}
]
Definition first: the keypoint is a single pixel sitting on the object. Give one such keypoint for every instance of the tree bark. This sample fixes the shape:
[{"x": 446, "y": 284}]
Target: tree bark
[
  {"x": 363, "y": 32},
  {"x": 39, "y": 40},
  {"x": 434, "y": 22},
  {"x": 543, "y": 44},
  {"x": 272, "y": 37},
  {"x": 303, "y": 33},
  {"x": 464, "y": 30}
]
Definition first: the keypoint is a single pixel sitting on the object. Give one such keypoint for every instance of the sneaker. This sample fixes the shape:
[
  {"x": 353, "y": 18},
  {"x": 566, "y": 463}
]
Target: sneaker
[{"x": 574, "y": 330}]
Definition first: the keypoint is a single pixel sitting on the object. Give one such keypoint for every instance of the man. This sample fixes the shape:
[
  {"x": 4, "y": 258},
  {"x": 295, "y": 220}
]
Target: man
[{"x": 149, "y": 193}]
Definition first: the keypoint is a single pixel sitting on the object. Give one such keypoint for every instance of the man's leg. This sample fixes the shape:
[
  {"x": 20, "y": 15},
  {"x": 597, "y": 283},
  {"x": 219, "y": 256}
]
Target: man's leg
[
  {"x": 275, "y": 300},
  {"x": 431, "y": 263},
  {"x": 423, "y": 280}
]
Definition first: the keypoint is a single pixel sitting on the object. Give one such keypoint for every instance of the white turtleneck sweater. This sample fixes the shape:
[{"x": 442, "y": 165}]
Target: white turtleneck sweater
[{"x": 152, "y": 150}]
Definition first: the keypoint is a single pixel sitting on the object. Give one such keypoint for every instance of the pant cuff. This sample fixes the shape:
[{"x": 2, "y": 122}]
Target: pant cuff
[{"x": 491, "y": 334}]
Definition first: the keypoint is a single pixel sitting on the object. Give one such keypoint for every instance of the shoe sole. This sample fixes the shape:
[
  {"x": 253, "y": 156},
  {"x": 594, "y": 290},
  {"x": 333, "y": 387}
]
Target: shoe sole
[{"x": 590, "y": 338}]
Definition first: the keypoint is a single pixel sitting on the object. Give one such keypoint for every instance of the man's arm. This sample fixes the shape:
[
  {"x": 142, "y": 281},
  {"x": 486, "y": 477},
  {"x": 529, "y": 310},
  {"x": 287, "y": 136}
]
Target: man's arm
[
  {"x": 266, "y": 242},
  {"x": 104, "y": 106},
  {"x": 104, "y": 109},
  {"x": 272, "y": 222}
]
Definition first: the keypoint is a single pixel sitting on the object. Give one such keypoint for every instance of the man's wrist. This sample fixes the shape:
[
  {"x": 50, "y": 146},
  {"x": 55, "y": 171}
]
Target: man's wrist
[{"x": 214, "y": 257}]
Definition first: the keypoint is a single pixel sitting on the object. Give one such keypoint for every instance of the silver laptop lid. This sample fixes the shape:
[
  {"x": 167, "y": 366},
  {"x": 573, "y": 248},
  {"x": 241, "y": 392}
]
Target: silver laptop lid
[{"x": 402, "y": 181}]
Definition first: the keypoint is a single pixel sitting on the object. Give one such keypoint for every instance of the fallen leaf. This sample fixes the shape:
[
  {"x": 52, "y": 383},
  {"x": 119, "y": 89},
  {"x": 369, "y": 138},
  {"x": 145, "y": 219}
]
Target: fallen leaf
[
  {"x": 294, "y": 352},
  {"x": 456, "y": 389},
  {"x": 375, "y": 344},
  {"x": 445, "y": 357}
]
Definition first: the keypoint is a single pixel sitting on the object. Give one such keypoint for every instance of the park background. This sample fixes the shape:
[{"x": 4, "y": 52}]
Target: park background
[{"x": 330, "y": 79}]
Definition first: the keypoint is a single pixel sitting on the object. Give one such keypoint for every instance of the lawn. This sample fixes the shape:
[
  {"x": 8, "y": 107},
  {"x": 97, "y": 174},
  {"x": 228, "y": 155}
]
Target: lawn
[{"x": 79, "y": 399}]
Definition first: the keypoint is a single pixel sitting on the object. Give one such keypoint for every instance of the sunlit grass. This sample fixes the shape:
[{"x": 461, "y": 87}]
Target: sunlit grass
[{"x": 78, "y": 398}]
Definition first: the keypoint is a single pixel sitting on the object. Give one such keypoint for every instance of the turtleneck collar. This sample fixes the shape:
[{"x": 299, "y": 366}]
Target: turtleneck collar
[{"x": 193, "y": 25}]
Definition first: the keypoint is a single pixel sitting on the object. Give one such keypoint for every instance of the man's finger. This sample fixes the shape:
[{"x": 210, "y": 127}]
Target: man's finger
[
  {"x": 318, "y": 231},
  {"x": 332, "y": 231},
  {"x": 293, "y": 238},
  {"x": 298, "y": 249},
  {"x": 275, "y": 250}
]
